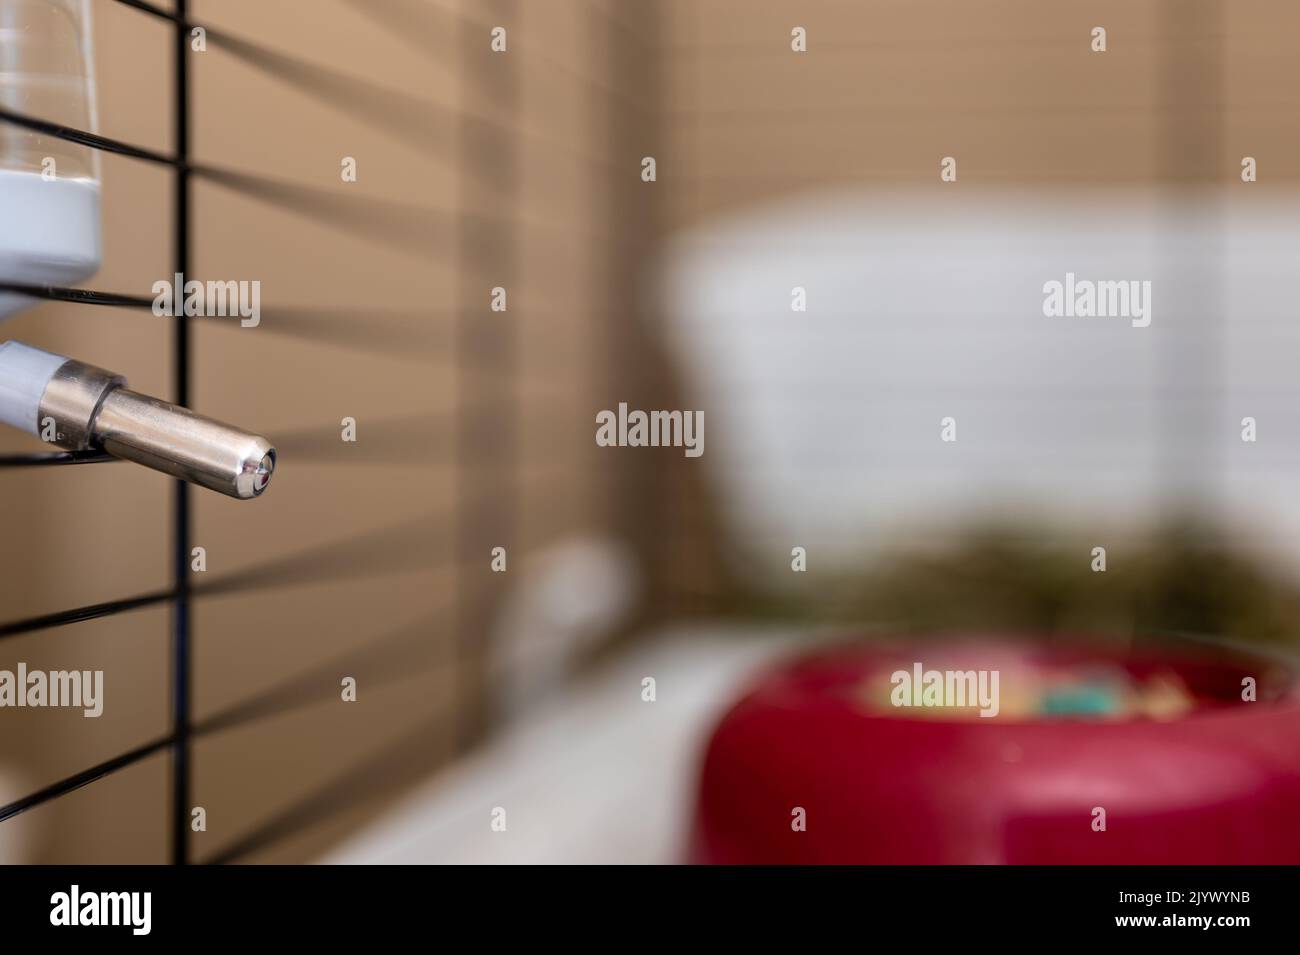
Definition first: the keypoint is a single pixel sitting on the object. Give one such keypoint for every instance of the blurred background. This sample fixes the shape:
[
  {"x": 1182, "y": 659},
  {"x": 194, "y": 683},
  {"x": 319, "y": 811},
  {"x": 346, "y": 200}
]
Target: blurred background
[{"x": 775, "y": 170}]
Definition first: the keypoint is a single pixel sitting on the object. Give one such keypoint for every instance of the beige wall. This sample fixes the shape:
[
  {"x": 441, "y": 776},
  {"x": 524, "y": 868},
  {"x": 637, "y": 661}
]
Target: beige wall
[{"x": 1010, "y": 87}]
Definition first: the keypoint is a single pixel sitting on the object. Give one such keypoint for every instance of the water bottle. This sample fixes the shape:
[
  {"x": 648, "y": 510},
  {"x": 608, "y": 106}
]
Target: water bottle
[{"x": 49, "y": 188}]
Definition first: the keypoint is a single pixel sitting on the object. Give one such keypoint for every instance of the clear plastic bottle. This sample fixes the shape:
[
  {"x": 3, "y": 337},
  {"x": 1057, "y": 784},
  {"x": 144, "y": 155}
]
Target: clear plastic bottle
[{"x": 49, "y": 188}]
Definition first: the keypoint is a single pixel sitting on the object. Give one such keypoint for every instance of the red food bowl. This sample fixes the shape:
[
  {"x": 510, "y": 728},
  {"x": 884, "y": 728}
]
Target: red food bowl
[{"x": 801, "y": 771}]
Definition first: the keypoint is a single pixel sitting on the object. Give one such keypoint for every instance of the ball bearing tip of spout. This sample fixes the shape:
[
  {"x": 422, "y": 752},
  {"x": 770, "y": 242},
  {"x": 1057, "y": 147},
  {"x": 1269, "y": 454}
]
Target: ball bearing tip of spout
[
  {"x": 255, "y": 475},
  {"x": 262, "y": 474}
]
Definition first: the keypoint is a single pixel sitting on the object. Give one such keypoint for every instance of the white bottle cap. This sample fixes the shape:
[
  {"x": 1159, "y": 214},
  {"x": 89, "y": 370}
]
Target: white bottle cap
[{"x": 24, "y": 373}]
